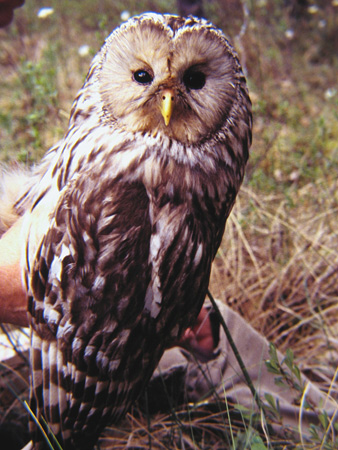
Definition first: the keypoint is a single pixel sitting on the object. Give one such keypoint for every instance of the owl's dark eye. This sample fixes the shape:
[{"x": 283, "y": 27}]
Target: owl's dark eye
[
  {"x": 143, "y": 77},
  {"x": 194, "y": 79}
]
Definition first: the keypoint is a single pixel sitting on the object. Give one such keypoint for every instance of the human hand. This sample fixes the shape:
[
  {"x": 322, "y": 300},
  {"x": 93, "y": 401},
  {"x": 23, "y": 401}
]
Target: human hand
[{"x": 200, "y": 339}]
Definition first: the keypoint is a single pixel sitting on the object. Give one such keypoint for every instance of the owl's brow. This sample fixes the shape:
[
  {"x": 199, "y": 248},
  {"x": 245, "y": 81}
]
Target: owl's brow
[{"x": 142, "y": 63}]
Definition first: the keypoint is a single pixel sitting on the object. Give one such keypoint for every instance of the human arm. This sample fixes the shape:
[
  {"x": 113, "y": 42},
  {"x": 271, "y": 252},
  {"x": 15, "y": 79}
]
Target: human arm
[{"x": 13, "y": 298}]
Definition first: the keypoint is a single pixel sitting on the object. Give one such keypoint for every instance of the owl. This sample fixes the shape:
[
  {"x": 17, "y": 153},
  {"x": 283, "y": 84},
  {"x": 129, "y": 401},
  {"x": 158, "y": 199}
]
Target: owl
[{"x": 125, "y": 215}]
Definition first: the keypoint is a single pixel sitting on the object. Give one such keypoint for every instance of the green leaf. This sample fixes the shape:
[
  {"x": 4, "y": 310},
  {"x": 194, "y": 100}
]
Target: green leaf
[
  {"x": 271, "y": 400},
  {"x": 257, "y": 443},
  {"x": 324, "y": 420}
]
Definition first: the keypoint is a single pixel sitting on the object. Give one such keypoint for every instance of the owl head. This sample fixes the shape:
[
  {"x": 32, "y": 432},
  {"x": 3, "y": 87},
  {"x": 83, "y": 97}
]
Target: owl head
[{"x": 169, "y": 75}]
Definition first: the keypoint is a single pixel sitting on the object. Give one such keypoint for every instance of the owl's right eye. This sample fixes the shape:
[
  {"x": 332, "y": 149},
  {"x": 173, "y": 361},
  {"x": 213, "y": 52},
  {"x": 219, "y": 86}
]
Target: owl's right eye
[{"x": 142, "y": 77}]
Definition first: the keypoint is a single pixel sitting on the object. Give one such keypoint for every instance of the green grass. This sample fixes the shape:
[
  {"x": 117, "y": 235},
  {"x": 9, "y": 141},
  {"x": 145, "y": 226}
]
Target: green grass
[{"x": 278, "y": 263}]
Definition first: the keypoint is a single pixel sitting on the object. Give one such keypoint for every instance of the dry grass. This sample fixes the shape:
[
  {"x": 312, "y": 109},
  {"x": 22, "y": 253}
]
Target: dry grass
[{"x": 278, "y": 267}]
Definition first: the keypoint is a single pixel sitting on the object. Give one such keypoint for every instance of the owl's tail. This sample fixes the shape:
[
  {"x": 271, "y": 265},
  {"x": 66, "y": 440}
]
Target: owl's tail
[{"x": 13, "y": 184}]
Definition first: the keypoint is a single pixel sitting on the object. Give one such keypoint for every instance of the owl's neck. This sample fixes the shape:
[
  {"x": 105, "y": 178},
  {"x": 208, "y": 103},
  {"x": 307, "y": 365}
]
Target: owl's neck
[{"x": 192, "y": 172}]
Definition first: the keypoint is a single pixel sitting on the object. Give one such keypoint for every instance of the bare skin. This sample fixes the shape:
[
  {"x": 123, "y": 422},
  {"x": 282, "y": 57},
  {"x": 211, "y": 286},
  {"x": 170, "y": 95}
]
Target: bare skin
[
  {"x": 199, "y": 337},
  {"x": 13, "y": 297}
]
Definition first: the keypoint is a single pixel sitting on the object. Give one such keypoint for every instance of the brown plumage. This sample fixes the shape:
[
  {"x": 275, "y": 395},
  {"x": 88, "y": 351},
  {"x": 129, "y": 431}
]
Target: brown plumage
[{"x": 125, "y": 217}]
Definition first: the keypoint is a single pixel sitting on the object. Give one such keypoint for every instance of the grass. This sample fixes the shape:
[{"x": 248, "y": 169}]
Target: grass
[{"x": 278, "y": 263}]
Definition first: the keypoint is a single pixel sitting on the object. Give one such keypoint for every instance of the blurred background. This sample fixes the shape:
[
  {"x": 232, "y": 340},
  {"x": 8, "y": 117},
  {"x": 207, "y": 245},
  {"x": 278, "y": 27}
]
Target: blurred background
[{"x": 278, "y": 263}]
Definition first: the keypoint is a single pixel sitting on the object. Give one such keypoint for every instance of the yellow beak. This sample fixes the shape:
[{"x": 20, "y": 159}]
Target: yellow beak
[{"x": 167, "y": 105}]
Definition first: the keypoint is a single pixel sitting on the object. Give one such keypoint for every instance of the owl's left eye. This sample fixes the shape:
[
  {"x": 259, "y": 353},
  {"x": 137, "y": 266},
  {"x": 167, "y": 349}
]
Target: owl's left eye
[
  {"x": 194, "y": 79},
  {"x": 143, "y": 77}
]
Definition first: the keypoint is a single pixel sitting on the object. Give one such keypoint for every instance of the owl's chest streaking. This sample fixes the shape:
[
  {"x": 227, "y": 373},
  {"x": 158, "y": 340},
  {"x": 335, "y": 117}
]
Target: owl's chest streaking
[
  {"x": 121, "y": 271},
  {"x": 124, "y": 247}
]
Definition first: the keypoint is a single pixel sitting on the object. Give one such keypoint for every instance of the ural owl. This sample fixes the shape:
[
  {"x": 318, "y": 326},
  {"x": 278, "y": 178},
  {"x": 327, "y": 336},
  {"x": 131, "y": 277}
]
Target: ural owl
[{"x": 125, "y": 216}]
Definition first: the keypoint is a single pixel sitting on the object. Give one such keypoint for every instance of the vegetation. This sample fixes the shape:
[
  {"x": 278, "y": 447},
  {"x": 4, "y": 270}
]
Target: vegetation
[{"x": 278, "y": 264}]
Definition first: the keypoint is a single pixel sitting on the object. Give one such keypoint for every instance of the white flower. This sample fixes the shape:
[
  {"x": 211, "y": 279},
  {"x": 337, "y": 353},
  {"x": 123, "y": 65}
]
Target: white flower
[
  {"x": 294, "y": 176},
  {"x": 289, "y": 34},
  {"x": 125, "y": 15},
  {"x": 45, "y": 12},
  {"x": 313, "y": 9},
  {"x": 330, "y": 93},
  {"x": 278, "y": 175},
  {"x": 83, "y": 50},
  {"x": 322, "y": 23}
]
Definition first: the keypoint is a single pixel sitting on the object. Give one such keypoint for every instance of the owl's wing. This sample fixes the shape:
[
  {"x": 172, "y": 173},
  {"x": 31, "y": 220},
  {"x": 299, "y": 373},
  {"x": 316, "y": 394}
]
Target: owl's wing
[{"x": 86, "y": 294}]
